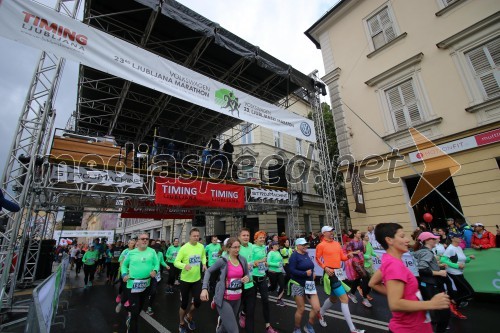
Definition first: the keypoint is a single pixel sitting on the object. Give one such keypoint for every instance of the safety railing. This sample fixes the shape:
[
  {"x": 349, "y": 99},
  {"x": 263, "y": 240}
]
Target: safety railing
[{"x": 43, "y": 309}]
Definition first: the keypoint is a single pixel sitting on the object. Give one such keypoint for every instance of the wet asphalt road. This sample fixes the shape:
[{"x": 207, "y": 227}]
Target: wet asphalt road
[{"x": 93, "y": 310}]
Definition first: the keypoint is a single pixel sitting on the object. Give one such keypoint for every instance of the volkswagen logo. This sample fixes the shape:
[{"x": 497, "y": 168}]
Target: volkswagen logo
[{"x": 305, "y": 128}]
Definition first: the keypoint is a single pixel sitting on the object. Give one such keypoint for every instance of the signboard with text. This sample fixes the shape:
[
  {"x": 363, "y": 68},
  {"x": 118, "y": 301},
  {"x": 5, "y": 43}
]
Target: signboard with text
[{"x": 195, "y": 193}]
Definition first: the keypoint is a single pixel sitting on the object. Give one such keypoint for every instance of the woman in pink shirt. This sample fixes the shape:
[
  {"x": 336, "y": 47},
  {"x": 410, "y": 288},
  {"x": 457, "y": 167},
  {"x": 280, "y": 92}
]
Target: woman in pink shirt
[
  {"x": 396, "y": 281},
  {"x": 233, "y": 275}
]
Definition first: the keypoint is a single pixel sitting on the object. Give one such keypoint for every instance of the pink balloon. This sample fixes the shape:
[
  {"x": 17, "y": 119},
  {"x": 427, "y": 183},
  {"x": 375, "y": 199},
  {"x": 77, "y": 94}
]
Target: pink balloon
[{"x": 428, "y": 217}]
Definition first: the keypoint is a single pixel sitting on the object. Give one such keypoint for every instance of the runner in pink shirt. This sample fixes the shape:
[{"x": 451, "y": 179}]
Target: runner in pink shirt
[{"x": 394, "y": 279}]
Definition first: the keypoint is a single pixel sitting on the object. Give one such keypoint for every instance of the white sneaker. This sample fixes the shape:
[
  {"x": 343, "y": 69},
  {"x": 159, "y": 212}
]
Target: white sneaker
[
  {"x": 352, "y": 297},
  {"x": 118, "y": 307},
  {"x": 367, "y": 303},
  {"x": 322, "y": 320},
  {"x": 358, "y": 331}
]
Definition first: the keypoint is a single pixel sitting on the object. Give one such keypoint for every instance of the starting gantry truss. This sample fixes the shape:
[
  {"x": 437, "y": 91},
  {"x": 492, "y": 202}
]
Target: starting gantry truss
[{"x": 112, "y": 106}]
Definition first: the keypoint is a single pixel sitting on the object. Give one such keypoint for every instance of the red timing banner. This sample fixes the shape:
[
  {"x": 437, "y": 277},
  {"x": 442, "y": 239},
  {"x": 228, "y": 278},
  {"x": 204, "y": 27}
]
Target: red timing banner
[
  {"x": 194, "y": 193},
  {"x": 149, "y": 210}
]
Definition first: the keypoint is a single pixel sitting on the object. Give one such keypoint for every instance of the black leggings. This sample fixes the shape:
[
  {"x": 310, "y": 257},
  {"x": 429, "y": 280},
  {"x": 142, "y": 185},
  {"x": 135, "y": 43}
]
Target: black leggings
[
  {"x": 464, "y": 290},
  {"x": 439, "y": 317},
  {"x": 152, "y": 291},
  {"x": 363, "y": 282},
  {"x": 113, "y": 270},
  {"x": 276, "y": 279},
  {"x": 89, "y": 271},
  {"x": 262, "y": 288},
  {"x": 185, "y": 289},
  {"x": 136, "y": 303},
  {"x": 173, "y": 274},
  {"x": 248, "y": 306}
]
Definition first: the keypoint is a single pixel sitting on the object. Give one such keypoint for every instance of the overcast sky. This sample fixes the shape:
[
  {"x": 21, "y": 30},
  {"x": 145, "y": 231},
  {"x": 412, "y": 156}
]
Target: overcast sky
[{"x": 276, "y": 26}]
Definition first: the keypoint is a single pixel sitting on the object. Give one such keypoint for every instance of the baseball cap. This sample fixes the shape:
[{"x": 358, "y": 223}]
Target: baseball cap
[
  {"x": 478, "y": 224},
  {"x": 326, "y": 228},
  {"x": 455, "y": 235},
  {"x": 225, "y": 241},
  {"x": 301, "y": 241},
  {"x": 426, "y": 235},
  {"x": 274, "y": 243}
]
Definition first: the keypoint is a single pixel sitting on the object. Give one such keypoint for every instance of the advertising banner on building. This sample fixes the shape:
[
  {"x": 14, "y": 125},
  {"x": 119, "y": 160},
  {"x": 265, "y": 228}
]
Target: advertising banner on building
[
  {"x": 108, "y": 234},
  {"x": 456, "y": 146},
  {"x": 195, "y": 193},
  {"x": 357, "y": 189},
  {"x": 150, "y": 210},
  {"x": 258, "y": 193},
  {"x": 48, "y": 30},
  {"x": 62, "y": 173}
]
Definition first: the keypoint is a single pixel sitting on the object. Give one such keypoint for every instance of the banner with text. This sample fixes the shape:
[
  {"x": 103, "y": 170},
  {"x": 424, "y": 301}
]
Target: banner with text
[
  {"x": 189, "y": 193},
  {"x": 259, "y": 193},
  {"x": 149, "y": 210},
  {"x": 46, "y": 29}
]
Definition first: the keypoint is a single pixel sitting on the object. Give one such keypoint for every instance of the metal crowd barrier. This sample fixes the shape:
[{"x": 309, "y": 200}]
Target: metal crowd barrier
[{"x": 43, "y": 309}]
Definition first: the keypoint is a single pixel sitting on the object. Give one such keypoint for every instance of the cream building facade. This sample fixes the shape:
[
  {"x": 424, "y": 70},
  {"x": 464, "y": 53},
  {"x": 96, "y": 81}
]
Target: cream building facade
[{"x": 432, "y": 65}]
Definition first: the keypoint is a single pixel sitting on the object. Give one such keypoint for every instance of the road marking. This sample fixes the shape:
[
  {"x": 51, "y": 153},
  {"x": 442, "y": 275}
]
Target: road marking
[
  {"x": 153, "y": 322},
  {"x": 337, "y": 314}
]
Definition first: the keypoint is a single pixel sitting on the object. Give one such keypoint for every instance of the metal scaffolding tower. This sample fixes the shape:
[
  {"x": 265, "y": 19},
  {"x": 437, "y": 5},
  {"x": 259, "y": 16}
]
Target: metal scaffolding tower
[
  {"x": 327, "y": 170},
  {"x": 23, "y": 167}
]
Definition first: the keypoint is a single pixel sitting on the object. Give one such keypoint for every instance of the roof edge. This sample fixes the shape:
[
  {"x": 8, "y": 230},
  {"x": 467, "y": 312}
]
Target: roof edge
[{"x": 335, "y": 8}]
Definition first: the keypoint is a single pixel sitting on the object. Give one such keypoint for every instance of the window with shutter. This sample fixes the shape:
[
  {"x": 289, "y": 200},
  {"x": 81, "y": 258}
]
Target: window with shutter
[
  {"x": 381, "y": 28},
  {"x": 485, "y": 63},
  {"x": 403, "y": 105}
]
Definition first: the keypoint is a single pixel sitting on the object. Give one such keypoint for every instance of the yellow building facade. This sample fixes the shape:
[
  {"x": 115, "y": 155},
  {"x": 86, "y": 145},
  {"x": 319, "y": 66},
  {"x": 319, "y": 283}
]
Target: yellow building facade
[{"x": 432, "y": 65}]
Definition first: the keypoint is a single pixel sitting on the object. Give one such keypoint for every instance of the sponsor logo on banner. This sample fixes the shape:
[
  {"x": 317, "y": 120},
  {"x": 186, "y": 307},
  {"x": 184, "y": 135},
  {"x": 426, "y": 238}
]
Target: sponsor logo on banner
[
  {"x": 305, "y": 128},
  {"x": 189, "y": 193},
  {"x": 227, "y": 100},
  {"x": 108, "y": 234},
  {"x": 146, "y": 209},
  {"x": 257, "y": 193},
  {"x": 37, "y": 26},
  {"x": 67, "y": 174}
]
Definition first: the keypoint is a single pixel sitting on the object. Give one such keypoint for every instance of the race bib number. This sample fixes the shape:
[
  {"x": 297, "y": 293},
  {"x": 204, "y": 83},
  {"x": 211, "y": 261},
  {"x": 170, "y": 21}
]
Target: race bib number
[
  {"x": 234, "y": 287},
  {"x": 262, "y": 267},
  {"x": 138, "y": 286},
  {"x": 116, "y": 254},
  {"x": 250, "y": 268},
  {"x": 310, "y": 288},
  {"x": 174, "y": 255},
  {"x": 90, "y": 261},
  {"x": 339, "y": 272},
  {"x": 215, "y": 255},
  {"x": 194, "y": 260}
]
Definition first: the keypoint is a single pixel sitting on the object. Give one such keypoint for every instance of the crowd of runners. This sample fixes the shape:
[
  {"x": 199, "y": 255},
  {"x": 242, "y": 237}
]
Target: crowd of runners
[{"x": 229, "y": 274}]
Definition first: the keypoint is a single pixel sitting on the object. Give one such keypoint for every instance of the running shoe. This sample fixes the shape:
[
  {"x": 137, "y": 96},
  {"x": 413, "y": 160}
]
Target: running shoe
[
  {"x": 280, "y": 302},
  {"x": 297, "y": 330},
  {"x": 242, "y": 320},
  {"x": 118, "y": 299},
  {"x": 182, "y": 329},
  {"x": 352, "y": 297},
  {"x": 190, "y": 323},
  {"x": 127, "y": 304},
  {"x": 358, "y": 331},
  {"x": 369, "y": 297},
  {"x": 456, "y": 313},
  {"x": 89, "y": 284},
  {"x": 118, "y": 307},
  {"x": 463, "y": 304},
  {"x": 322, "y": 320},
  {"x": 308, "y": 328},
  {"x": 212, "y": 305},
  {"x": 270, "y": 329},
  {"x": 366, "y": 303},
  {"x": 150, "y": 311},
  {"x": 177, "y": 282}
]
